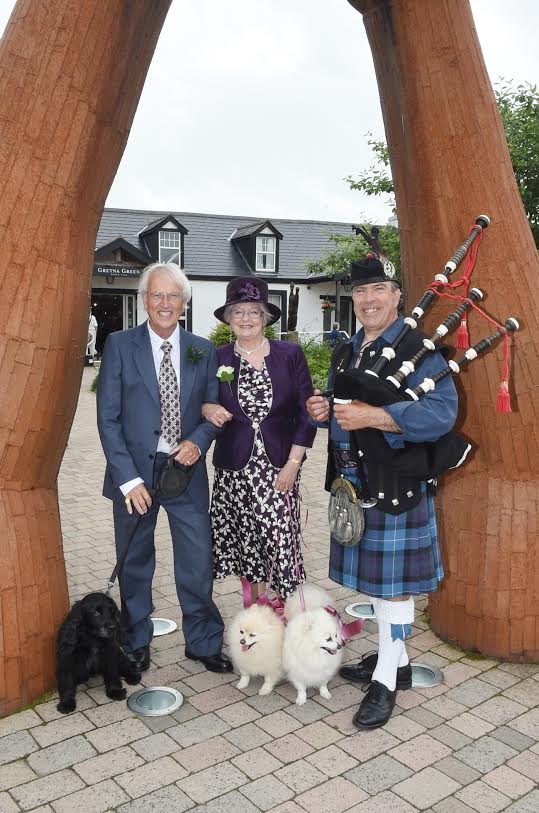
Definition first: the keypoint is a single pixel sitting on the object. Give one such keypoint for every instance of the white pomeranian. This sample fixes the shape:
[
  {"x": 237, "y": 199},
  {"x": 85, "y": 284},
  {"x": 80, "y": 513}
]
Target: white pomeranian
[
  {"x": 255, "y": 638},
  {"x": 312, "y": 651},
  {"x": 313, "y": 598}
]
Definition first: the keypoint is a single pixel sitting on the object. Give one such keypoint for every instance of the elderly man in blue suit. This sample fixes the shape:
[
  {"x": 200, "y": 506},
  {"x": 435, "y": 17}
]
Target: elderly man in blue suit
[{"x": 152, "y": 382}]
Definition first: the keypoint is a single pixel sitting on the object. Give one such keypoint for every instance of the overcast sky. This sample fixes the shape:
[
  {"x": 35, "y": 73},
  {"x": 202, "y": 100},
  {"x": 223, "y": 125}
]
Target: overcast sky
[{"x": 261, "y": 107}]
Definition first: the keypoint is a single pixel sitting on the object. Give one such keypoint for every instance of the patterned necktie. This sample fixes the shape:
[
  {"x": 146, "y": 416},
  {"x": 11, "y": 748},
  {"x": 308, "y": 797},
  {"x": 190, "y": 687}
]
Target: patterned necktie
[{"x": 170, "y": 398}]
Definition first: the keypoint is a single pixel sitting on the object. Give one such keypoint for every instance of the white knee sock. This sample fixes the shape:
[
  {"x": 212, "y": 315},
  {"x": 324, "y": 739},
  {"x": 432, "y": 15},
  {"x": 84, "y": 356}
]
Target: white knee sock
[
  {"x": 391, "y": 652},
  {"x": 404, "y": 659}
]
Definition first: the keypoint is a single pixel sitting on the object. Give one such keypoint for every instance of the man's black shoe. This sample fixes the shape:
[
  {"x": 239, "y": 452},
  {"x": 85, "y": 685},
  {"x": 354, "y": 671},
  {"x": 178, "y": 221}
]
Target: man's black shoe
[
  {"x": 362, "y": 672},
  {"x": 214, "y": 663},
  {"x": 376, "y": 707},
  {"x": 140, "y": 658}
]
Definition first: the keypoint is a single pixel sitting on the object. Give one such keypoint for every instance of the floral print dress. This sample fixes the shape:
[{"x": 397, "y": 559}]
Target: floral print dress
[{"x": 251, "y": 525}]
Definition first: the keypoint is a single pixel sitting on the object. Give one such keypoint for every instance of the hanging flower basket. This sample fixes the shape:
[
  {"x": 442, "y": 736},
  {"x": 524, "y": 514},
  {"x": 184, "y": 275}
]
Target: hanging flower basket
[{"x": 327, "y": 305}]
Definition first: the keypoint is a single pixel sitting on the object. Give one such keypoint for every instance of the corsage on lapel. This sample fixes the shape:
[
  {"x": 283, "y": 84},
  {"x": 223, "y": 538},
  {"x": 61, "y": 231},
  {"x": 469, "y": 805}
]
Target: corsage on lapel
[
  {"x": 225, "y": 373},
  {"x": 195, "y": 354}
]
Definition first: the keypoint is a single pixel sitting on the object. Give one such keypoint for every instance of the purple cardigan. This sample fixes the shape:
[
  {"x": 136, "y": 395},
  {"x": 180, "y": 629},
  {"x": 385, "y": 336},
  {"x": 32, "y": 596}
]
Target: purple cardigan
[{"x": 286, "y": 423}]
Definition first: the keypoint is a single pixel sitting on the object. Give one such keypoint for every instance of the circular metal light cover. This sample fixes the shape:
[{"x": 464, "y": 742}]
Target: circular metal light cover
[
  {"x": 162, "y": 626},
  {"x": 360, "y": 610},
  {"x": 155, "y": 701},
  {"x": 425, "y": 676}
]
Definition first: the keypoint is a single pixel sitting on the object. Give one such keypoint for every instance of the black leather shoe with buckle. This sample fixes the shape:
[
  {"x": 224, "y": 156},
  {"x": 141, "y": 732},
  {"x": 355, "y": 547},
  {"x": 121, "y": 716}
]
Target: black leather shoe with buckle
[
  {"x": 214, "y": 663},
  {"x": 140, "y": 658},
  {"x": 376, "y": 707},
  {"x": 362, "y": 672}
]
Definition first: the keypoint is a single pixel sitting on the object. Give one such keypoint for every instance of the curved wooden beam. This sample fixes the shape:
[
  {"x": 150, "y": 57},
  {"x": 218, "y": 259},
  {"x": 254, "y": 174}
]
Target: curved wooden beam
[
  {"x": 450, "y": 162},
  {"x": 71, "y": 75}
]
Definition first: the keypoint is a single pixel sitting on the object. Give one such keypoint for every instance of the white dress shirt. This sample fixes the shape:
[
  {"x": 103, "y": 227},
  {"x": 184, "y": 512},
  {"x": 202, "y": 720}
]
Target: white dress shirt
[{"x": 156, "y": 342}]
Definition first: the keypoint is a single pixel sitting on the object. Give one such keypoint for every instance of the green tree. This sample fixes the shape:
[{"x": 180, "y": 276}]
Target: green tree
[
  {"x": 519, "y": 110},
  {"x": 350, "y": 247},
  {"x": 376, "y": 180}
]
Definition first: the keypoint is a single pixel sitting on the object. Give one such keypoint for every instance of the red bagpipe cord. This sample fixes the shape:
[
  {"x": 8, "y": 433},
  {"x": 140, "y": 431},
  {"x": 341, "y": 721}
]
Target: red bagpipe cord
[
  {"x": 463, "y": 340},
  {"x": 503, "y": 401}
]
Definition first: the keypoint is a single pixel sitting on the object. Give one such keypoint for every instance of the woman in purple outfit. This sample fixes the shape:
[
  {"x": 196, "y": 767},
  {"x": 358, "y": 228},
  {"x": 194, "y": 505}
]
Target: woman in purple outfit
[{"x": 259, "y": 454}]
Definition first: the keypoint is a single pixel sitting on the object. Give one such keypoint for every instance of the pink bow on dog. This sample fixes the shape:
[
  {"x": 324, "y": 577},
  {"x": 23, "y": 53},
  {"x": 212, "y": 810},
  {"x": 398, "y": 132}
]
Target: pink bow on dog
[
  {"x": 276, "y": 603},
  {"x": 347, "y": 630}
]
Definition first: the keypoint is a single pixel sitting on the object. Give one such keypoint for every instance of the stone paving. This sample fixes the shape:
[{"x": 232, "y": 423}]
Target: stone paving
[{"x": 471, "y": 744}]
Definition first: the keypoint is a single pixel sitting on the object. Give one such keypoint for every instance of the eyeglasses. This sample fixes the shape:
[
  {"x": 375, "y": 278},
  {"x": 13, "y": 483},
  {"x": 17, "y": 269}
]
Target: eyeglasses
[
  {"x": 159, "y": 296},
  {"x": 253, "y": 313}
]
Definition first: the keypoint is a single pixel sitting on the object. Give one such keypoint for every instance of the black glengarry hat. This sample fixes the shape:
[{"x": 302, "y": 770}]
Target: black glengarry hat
[
  {"x": 248, "y": 289},
  {"x": 369, "y": 269}
]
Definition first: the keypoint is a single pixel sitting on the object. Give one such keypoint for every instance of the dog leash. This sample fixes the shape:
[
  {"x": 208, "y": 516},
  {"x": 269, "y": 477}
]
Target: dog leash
[
  {"x": 348, "y": 630},
  {"x": 295, "y": 551},
  {"x": 276, "y": 603},
  {"x": 171, "y": 481},
  {"x": 121, "y": 558}
]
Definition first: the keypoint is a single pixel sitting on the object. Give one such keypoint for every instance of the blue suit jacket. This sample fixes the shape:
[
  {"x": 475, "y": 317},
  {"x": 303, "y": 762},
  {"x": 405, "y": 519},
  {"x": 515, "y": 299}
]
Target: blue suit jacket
[{"x": 129, "y": 413}]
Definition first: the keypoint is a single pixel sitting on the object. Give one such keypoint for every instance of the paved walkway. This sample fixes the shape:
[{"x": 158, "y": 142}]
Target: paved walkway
[{"x": 468, "y": 745}]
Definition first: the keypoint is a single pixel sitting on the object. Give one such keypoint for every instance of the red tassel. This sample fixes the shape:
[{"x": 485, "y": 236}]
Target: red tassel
[
  {"x": 503, "y": 403},
  {"x": 463, "y": 341}
]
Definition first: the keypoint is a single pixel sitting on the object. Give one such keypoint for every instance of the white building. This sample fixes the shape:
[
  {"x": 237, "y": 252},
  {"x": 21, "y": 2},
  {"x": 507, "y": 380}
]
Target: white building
[{"x": 212, "y": 249}]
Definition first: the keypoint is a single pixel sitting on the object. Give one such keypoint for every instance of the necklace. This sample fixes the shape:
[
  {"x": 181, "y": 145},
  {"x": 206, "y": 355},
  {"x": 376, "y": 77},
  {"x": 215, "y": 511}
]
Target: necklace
[{"x": 250, "y": 352}]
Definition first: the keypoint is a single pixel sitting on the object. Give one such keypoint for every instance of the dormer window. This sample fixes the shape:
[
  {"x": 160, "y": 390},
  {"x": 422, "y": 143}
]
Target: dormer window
[
  {"x": 163, "y": 239},
  {"x": 258, "y": 245},
  {"x": 265, "y": 253},
  {"x": 169, "y": 247}
]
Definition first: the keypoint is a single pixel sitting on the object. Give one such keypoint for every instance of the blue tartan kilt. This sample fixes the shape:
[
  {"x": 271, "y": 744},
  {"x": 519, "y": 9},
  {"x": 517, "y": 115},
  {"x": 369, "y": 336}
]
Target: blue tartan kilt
[{"x": 396, "y": 556}]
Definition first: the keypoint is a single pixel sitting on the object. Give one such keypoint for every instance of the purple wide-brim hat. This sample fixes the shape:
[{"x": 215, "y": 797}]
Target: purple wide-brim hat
[{"x": 248, "y": 289}]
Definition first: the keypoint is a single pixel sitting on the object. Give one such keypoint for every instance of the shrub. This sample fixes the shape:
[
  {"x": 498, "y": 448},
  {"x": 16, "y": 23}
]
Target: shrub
[
  {"x": 318, "y": 355},
  {"x": 221, "y": 334}
]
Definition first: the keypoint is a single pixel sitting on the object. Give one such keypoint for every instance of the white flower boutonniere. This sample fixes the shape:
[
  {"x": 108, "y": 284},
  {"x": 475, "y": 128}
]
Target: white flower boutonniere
[{"x": 225, "y": 373}]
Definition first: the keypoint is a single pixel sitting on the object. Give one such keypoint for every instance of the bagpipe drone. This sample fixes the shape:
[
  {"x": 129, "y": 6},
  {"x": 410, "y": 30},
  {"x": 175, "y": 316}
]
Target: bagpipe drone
[{"x": 391, "y": 477}]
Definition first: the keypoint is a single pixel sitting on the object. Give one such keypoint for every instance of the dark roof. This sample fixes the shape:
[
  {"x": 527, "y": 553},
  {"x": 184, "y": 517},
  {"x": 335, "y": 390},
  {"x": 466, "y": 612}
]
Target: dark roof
[
  {"x": 208, "y": 250},
  {"x": 128, "y": 248},
  {"x": 153, "y": 225},
  {"x": 253, "y": 228}
]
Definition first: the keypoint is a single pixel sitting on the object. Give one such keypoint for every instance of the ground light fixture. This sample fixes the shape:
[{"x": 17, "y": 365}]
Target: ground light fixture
[
  {"x": 162, "y": 626},
  {"x": 155, "y": 701}
]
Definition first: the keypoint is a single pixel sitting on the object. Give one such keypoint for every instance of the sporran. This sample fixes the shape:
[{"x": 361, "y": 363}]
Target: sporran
[{"x": 345, "y": 513}]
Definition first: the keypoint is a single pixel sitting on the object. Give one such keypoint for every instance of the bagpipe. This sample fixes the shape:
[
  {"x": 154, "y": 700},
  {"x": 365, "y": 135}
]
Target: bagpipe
[{"x": 391, "y": 477}]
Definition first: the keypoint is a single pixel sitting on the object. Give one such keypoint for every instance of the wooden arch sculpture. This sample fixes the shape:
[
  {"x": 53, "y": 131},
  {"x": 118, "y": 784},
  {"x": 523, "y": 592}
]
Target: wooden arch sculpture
[
  {"x": 70, "y": 78},
  {"x": 71, "y": 74},
  {"x": 450, "y": 162}
]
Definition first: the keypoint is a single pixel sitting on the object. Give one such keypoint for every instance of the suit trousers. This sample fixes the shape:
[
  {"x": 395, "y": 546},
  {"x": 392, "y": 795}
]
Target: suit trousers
[{"x": 193, "y": 571}]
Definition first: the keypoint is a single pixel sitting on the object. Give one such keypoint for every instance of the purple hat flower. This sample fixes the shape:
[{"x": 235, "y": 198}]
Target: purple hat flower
[{"x": 249, "y": 291}]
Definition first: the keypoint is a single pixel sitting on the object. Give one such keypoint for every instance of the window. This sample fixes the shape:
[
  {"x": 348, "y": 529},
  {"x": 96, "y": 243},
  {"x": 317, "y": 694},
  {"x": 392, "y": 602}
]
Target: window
[
  {"x": 169, "y": 247},
  {"x": 279, "y": 298},
  {"x": 265, "y": 253},
  {"x": 186, "y": 319}
]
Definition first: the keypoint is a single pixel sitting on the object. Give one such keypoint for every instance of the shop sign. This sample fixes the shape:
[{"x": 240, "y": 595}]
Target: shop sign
[{"x": 114, "y": 270}]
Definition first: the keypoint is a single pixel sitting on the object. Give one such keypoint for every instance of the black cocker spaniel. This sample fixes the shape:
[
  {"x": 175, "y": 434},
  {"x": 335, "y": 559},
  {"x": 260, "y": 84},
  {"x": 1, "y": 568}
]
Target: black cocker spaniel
[{"x": 88, "y": 644}]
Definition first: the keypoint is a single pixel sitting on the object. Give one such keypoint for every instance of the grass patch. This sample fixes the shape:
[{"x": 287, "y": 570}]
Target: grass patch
[{"x": 43, "y": 698}]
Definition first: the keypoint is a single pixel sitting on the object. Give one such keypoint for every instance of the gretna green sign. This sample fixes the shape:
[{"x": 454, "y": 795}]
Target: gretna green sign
[{"x": 116, "y": 270}]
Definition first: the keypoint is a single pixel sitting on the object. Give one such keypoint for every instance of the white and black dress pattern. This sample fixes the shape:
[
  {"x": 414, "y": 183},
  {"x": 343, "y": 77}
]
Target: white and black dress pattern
[{"x": 249, "y": 518}]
